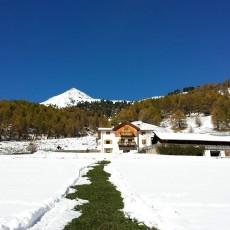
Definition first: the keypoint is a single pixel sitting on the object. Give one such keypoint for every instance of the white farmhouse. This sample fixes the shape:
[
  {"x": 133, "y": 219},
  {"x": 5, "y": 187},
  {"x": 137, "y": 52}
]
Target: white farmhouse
[{"x": 126, "y": 137}]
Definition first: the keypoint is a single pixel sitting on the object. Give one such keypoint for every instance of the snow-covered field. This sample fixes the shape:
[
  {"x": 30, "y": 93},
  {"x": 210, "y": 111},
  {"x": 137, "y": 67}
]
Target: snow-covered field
[
  {"x": 32, "y": 185},
  {"x": 169, "y": 192},
  {"x": 174, "y": 192}
]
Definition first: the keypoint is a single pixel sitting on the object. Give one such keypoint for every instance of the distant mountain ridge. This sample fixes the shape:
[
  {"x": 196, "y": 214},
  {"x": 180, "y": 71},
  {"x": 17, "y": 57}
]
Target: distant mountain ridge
[{"x": 69, "y": 98}]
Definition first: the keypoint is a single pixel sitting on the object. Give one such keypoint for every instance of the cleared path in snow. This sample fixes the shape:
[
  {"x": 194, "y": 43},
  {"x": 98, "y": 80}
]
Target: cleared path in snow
[{"x": 104, "y": 207}]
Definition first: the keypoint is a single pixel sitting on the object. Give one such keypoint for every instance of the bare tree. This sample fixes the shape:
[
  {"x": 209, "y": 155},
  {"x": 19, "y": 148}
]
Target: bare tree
[{"x": 198, "y": 121}]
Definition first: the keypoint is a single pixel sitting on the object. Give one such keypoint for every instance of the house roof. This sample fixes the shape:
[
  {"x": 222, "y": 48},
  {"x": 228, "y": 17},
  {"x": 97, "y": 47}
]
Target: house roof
[
  {"x": 126, "y": 123},
  {"x": 138, "y": 125},
  {"x": 192, "y": 137}
]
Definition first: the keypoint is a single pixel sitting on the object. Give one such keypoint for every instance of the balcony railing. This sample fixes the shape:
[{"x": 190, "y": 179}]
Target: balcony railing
[
  {"x": 126, "y": 134},
  {"x": 126, "y": 144}
]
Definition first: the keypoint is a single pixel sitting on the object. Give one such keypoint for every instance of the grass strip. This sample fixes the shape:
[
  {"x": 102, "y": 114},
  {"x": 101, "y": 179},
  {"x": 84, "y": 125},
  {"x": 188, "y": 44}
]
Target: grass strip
[{"x": 103, "y": 212}]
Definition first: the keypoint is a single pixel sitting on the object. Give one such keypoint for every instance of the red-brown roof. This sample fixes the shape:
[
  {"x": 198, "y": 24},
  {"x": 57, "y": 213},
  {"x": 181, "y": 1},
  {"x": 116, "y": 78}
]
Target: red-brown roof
[{"x": 125, "y": 123}]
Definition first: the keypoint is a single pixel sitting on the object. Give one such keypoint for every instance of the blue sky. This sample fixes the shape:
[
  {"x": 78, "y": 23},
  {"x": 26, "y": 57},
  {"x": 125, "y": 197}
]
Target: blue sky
[{"x": 127, "y": 49}]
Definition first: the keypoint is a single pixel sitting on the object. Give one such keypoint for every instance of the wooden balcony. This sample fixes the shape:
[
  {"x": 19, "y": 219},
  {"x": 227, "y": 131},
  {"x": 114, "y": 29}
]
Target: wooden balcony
[{"x": 126, "y": 134}]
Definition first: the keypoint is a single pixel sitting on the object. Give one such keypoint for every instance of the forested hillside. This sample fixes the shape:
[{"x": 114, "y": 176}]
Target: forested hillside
[
  {"x": 210, "y": 99},
  {"x": 22, "y": 120}
]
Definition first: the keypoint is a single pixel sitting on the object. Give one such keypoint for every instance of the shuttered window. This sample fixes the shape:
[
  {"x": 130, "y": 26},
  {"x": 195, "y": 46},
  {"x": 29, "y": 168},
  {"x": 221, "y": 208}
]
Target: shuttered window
[
  {"x": 108, "y": 142},
  {"x": 108, "y": 150}
]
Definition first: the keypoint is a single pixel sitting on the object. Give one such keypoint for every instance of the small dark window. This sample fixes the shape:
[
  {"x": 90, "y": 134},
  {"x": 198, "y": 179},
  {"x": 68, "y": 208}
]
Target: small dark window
[{"x": 215, "y": 153}]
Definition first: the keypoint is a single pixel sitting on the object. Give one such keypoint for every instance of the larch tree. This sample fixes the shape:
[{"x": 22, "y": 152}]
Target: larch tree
[{"x": 178, "y": 120}]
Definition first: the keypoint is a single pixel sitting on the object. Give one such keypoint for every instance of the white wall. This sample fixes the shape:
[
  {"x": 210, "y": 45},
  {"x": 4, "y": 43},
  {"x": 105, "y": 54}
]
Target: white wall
[
  {"x": 111, "y": 137},
  {"x": 146, "y": 137}
]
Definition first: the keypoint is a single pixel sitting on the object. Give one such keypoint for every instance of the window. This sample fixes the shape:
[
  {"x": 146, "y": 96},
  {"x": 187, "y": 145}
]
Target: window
[
  {"x": 108, "y": 150},
  {"x": 108, "y": 142},
  {"x": 143, "y": 142},
  {"x": 143, "y": 133},
  {"x": 214, "y": 153},
  {"x": 107, "y": 132}
]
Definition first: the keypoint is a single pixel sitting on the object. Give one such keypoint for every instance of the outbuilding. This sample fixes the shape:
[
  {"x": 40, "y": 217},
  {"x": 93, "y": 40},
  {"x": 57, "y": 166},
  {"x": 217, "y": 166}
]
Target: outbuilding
[{"x": 214, "y": 145}]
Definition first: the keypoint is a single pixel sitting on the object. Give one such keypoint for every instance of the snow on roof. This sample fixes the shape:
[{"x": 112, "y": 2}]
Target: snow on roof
[
  {"x": 191, "y": 137},
  {"x": 141, "y": 125},
  {"x": 105, "y": 129},
  {"x": 148, "y": 127}
]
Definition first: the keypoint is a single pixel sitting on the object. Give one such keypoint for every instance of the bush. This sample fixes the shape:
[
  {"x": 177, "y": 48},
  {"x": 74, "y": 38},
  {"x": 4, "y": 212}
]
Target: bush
[
  {"x": 142, "y": 151},
  {"x": 32, "y": 147},
  {"x": 182, "y": 150}
]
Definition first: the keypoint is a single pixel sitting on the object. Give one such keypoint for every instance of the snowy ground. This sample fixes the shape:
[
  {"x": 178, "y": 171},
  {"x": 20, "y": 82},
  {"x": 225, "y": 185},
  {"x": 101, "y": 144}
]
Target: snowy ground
[
  {"x": 170, "y": 192},
  {"x": 206, "y": 126},
  {"x": 82, "y": 143},
  {"x": 33, "y": 185}
]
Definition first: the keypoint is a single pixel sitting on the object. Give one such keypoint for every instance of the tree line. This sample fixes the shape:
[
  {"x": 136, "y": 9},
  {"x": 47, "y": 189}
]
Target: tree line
[
  {"x": 22, "y": 120},
  {"x": 108, "y": 107}
]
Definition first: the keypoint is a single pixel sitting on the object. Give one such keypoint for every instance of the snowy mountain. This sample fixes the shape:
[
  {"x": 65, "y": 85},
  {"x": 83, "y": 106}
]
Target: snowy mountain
[{"x": 69, "y": 98}]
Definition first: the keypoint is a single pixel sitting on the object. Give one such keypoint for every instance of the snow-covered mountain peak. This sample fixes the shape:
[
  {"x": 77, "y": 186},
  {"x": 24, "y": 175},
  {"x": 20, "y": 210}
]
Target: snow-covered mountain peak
[
  {"x": 75, "y": 93},
  {"x": 69, "y": 98}
]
